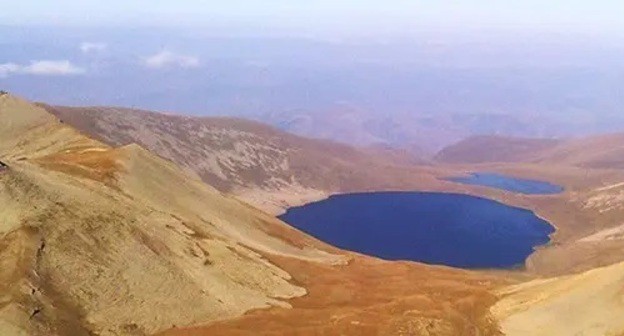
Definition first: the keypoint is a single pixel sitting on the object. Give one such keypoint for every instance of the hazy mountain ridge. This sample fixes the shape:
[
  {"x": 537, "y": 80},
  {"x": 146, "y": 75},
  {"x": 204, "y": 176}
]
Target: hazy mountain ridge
[
  {"x": 416, "y": 133},
  {"x": 359, "y": 127}
]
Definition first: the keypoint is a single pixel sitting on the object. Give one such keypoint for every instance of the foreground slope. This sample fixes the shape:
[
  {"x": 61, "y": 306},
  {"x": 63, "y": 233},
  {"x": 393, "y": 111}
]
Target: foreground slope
[
  {"x": 118, "y": 241},
  {"x": 590, "y": 303},
  {"x": 260, "y": 164},
  {"x": 372, "y": 297}
]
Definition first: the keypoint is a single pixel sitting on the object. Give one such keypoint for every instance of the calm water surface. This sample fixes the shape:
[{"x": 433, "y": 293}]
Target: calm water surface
[
  {"x": 504, "y": 182},
  {"x": 437, "y": 228}
]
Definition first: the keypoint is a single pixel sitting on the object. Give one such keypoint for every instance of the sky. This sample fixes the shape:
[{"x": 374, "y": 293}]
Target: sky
[
  {"x": 327, "y": 16},
  {"x": 560, "y": 62}
]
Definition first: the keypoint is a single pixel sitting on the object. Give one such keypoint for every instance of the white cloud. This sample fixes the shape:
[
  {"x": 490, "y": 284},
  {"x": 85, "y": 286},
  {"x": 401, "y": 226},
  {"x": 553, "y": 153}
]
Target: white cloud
[
  {"x": 41, "y": 68},
  {"x": 165, "y": 59},
  {"x": 52, "y": 68},
  {"x": 89, "y": 47},
  {"x": 7, "y": 68}
]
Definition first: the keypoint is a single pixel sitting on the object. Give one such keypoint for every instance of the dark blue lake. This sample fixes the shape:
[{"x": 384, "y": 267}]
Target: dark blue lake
[
  {"x": 498, "y": 181},
  {"x": 437, "y": 228}
]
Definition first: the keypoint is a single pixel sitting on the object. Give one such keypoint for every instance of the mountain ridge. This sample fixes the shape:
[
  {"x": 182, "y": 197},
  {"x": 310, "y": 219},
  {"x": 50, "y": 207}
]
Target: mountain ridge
[{"x": 267, "y": 167}]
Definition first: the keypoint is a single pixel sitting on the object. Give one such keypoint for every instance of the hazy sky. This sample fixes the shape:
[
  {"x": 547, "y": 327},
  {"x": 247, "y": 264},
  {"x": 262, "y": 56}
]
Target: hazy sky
[
  {"x": 350, "y": 16},
  {"x": 557, "y": 61}
]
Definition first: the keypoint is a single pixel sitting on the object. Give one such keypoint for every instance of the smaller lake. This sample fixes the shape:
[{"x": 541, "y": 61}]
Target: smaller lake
[
  {"x": 503, "y": 182},
  {"x": 437, "y": 228}
]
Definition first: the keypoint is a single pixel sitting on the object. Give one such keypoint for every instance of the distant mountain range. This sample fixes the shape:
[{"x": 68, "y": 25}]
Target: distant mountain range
[{"x": 420, "y": 135}]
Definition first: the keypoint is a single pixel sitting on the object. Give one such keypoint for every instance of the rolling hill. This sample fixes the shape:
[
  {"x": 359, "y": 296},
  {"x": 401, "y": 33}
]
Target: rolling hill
[
  {"x": 484, "y": 149},
  {"x": 600, "y": 152}
]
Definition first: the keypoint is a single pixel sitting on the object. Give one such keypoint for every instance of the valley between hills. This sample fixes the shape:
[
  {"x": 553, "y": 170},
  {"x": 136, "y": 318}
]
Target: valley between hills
[{"x": 126, "y": 222}]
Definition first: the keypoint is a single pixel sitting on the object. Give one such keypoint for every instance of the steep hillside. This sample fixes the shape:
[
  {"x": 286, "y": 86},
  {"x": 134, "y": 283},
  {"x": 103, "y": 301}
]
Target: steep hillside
[
  {"x": 482, "y": 149},
  {"x": 261, "y": 164},
  {"x": 118, "y": 241}
]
